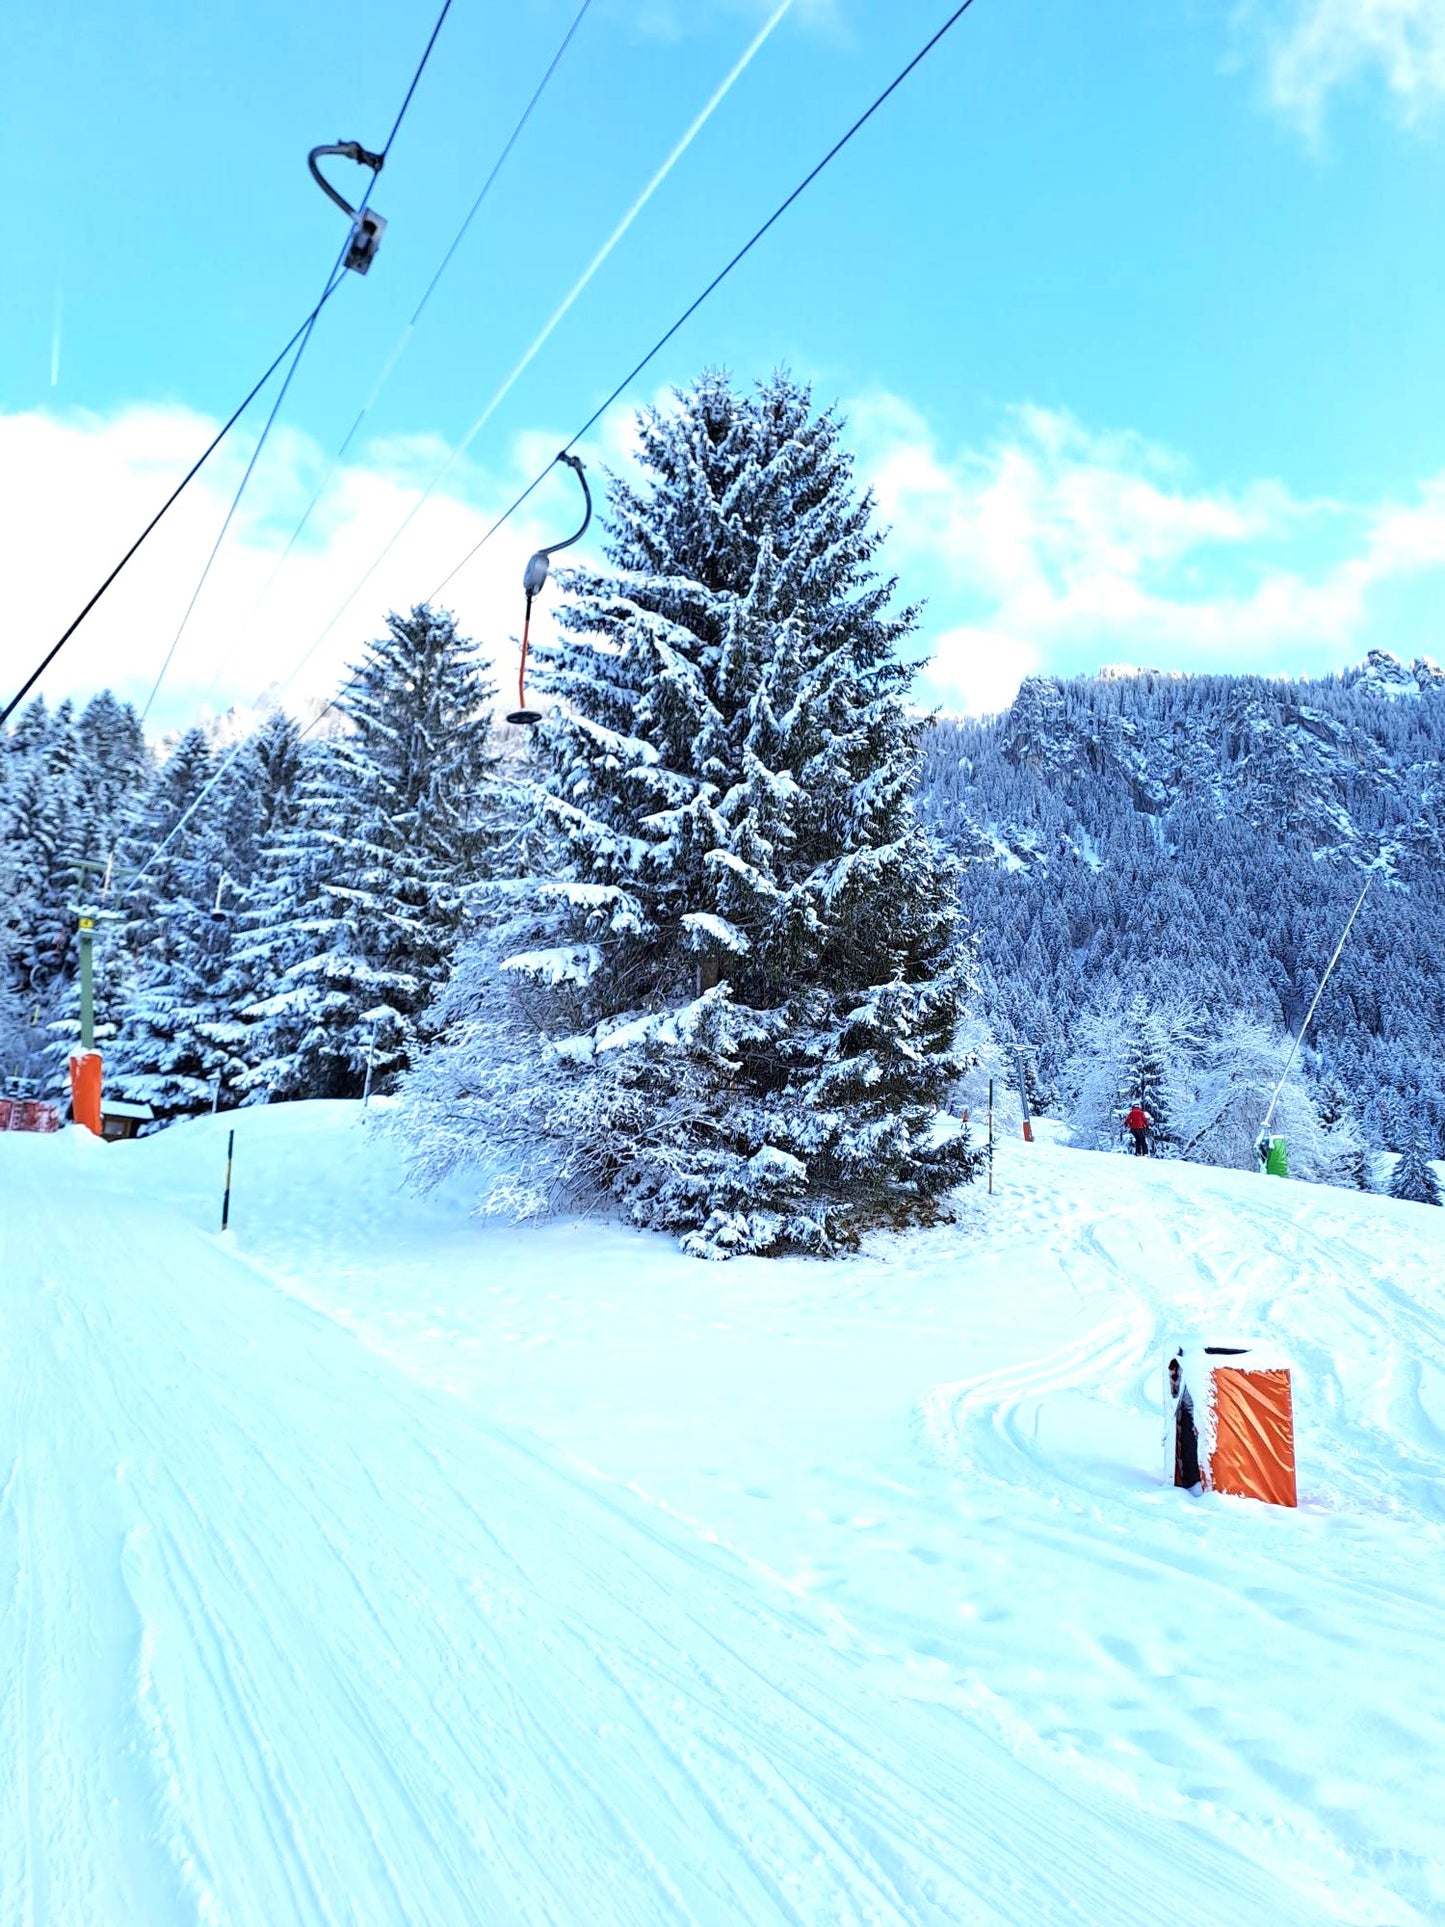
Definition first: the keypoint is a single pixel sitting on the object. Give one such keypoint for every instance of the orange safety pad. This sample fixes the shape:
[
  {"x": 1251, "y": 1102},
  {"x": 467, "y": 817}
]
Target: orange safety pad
[
  {"x": 85, "y": 1076},
  {"x": 1253, "y": 1435}
]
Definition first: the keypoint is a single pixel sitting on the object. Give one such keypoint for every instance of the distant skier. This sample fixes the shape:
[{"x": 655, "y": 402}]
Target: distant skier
[{"x": 1138, "y": 1122}]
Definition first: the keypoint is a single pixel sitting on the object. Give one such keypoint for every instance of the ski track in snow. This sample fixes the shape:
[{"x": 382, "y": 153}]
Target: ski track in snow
[
  {"x": 1302, "y": 1266},
  {"x": 374, "y": 1567}
]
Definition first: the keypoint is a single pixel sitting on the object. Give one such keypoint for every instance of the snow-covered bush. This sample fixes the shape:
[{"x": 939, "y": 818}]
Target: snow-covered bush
[
  {"x": 1236, "y": 1075},
  {"x": 727, "y": 997}
]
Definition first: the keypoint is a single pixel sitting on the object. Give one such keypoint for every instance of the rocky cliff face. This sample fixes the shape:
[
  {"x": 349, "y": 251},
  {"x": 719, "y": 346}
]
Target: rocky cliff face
[{"x": 1202, "y": 838}]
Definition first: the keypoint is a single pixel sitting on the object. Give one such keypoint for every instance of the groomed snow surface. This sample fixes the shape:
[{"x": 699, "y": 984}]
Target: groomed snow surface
[{"x": 368, "y": 1564}]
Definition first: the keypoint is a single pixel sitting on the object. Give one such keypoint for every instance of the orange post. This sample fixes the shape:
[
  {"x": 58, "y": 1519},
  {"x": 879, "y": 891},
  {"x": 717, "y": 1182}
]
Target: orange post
[{"x": 85, "y": 1082}]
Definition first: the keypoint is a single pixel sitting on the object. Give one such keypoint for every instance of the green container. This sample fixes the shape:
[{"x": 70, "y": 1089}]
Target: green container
[{"x": 1276, "y": 1165}]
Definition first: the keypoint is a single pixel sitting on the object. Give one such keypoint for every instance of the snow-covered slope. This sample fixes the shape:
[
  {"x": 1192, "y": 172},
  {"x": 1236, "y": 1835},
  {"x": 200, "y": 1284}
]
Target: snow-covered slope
[{"x": 368, "y": 1565}]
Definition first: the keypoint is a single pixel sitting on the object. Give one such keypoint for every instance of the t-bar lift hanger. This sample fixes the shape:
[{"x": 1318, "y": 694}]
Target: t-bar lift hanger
[{"x": 533, "y": 580}]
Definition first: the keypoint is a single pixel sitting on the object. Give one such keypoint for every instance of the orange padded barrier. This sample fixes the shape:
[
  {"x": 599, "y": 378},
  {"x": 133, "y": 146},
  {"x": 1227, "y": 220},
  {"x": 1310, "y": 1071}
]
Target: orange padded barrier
[{"x": 1254, "y": 1435}]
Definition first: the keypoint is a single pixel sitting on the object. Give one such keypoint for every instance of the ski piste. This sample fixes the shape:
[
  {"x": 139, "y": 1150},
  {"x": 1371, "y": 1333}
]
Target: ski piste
[{"x": 358, "y": 1570}]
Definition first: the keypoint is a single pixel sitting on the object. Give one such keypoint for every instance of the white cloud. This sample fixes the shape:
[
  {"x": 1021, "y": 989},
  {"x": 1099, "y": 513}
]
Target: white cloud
[
  {"x": 977, "y": 672},
  {"x": 1051, "y": 548},
  {"x": 75, "y": 489},
  {"x": 1318, "y": 46},
  {"x": 1061, "y": 548}
]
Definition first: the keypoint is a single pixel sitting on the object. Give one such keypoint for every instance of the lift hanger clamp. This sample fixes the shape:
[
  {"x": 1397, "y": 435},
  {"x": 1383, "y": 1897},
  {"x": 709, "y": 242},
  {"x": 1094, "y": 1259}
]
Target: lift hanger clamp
[{"x": 367, "y": 227}]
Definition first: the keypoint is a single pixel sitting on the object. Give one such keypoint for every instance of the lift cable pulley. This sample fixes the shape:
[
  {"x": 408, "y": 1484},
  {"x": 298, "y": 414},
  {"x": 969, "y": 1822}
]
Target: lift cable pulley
[
  {"x": 367, "y": 226},
  {"x": 533, "y": 582}
]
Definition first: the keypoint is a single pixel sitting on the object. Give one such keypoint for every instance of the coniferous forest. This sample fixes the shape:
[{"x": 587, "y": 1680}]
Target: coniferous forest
[
  {"x": 1159, "y": 869},
  {"x": 702, "y": 944}
]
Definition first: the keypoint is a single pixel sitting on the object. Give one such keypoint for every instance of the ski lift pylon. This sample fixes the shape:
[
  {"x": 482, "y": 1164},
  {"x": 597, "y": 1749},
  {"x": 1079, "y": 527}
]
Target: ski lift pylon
[
  {"x": 534, "y": 579},
  {"x": 367, "y": 227}
]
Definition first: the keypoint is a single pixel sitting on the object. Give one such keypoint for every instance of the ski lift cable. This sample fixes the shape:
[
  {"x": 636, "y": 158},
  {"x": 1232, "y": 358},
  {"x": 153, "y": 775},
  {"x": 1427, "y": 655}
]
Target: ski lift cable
[
  {"x": 301, "y": 335},
  {"x": 333, "y": 281},
  {"x": 1319, "y": 992},
  {"x": 591, "y": 421},
  {"x": 160, "y": 513},
  {"x": 403, "y": 340},
  {"x": 565, "y": 454},
  {"x": 500, "y": 162},
  {"x": 706, "y": 113},
  {"x": 712, "y": 286},
  {"x": 347, "y": 256},
  {"x": 416, "y": 77}
]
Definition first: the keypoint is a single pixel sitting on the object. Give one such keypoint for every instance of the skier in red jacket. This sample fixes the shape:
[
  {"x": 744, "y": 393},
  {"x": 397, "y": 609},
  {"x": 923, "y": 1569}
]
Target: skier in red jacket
[{"x": 1138, "y": 1122}]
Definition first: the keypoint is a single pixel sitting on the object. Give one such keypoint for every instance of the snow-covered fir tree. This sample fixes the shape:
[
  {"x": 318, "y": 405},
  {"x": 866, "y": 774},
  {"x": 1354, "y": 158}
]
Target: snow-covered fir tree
[
  {"x": 166, "y": 1053},
  {"x": 117, "y": 766},
  {"x": 1127, "y": 1054},
  {"x": 65, "y": 785},
  {"x": 295, "y": 1042},
  {"x": 727, "y": 997},
  {"x": 360, "y": 890},
  {"x": 1347, "y": 1162},
  {"x": 1412, "y": 1179},
  {"x": 42, "y": 832}
]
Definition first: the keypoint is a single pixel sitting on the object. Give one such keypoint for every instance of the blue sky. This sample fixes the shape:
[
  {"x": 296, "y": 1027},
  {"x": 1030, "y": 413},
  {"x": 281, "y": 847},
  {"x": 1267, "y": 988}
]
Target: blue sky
[{"x": 1134, "y": 308}]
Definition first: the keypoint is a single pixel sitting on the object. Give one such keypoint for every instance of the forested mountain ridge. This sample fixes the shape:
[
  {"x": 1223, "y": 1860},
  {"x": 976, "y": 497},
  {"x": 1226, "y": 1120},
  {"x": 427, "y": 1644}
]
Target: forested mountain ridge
[
  {"x": 1199, "y": 842},
  {"x": 1157, "y": 869}
]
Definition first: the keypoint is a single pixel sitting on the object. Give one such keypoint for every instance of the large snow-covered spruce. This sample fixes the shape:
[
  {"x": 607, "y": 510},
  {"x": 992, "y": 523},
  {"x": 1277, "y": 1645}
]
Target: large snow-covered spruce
[
  {"x": 730, "y": 1004},
  {"x": 1128, "y": 1054}
]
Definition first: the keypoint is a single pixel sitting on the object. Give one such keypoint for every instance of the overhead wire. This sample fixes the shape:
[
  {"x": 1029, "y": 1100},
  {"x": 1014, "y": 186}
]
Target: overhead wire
[
  {"x": 699, "y": 121},
  {"x": 403, "y": 340},
  {"x": 691, "y": 309},
  {"x": 302, "y": 335},
  {"x": 333, "y": 278},
  {"x": 1314, "y": 1002},
  {"x": 161, "y": 512},
  {"x": 592, "y": 419},
  {"x": 331, "y": 286}
]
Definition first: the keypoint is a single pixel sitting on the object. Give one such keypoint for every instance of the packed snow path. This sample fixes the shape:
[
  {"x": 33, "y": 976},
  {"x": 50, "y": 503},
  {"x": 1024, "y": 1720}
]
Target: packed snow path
[{"x": 375, "y": 1567}]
